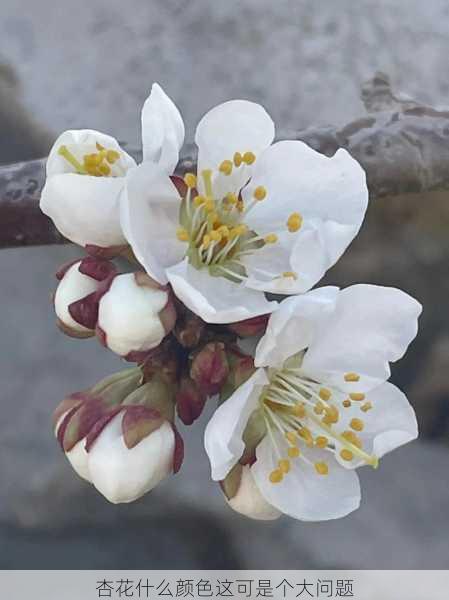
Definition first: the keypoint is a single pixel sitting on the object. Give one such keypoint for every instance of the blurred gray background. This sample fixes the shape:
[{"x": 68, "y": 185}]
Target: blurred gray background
[{"x": 91, "y": 64}]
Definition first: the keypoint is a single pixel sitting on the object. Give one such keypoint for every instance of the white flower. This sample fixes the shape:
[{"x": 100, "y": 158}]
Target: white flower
[
  {"x": 319, "y": 403},
  {"x": 86, "y": 169},
  {"x": 135, "y": 314},
  {"x": 257, "y": 218}
]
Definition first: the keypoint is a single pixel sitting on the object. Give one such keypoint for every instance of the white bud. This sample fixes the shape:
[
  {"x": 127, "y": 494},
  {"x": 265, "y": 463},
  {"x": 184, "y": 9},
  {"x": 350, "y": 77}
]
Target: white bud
[
  {"x": 73, "y": 287},
  {"x": 249, "y": 501},
  {"x": 124, "y": 475},
  {"x": 132, "y": 314}
]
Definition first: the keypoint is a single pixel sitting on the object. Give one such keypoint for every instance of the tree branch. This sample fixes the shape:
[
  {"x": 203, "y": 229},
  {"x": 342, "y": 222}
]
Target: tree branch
[{"x": 402, "y": 145}]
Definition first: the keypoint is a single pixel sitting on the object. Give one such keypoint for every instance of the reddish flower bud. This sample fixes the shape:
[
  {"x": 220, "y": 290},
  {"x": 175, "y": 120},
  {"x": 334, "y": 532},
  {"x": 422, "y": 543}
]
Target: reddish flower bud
[
  {"x": 190, "y": 401},
  {"x": 210, "y": 368}
]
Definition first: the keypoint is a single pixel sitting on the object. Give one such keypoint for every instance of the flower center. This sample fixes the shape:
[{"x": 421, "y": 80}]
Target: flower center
[
  {"x": 307, "y": 415},
  {"x": 102, "y": 163},
  {"x": 213, "y": 225}
]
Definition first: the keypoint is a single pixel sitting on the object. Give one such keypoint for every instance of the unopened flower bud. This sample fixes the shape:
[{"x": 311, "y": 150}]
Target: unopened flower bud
[
  {"x": 243, "y": 495},
  {"x": 136, "y": 450},
  {"x": 250, "y": 327},
  {"x": 119, "y": 435},
  {"x": 79, "y": 413},
  {"x": 210, "y": 368},
  {"x": 135, "y": 315},
  {"x": 76, "y": 297},
  {"x": 190, "y": 401}
]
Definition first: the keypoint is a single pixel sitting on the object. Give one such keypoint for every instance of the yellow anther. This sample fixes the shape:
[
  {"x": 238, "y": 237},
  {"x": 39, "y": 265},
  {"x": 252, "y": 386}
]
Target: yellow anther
[
  {"x": 260, "y": 193},
  {"x": 226, "y": 167},
  {"x": 352, "y": 438},
  {"x": 199, "y": 200},
  {"x": 276, "y": 476},
  {"x": 305, "y": 434},
  {"x": 294, "y": 222},
  {"x": 249, "y": 158},
  {"x": 271, "y": 238},
  {"x": 357, "y": 424},
  {"x": 206, "y": 241},
  {"x": 294, "y": 452},
  {"x": 104, "y": 169},
  {"x": 207, "y": 178},
  {"x": 299, "y": 411},
  {"x": 325, "y": 394},
  {"x": 291, "y": 437},
  {"x": 321, "y": 468},
  {"x": 346, "y": 403},
  {"x": 238, "y": 158},
  {"x": 215, "y": 236},
  {"x": 332, "y": 415},
  {"x": 224, "y": 230},
  {"x": 182, "y": 234},
  {"x": 99, "y": 147},
  {"x": 318, "y": 409},
  {"x": 291, "y": 274},
  {"x": 321, "y": 441},
  {"x": 284, "y": 465},
  {"x": 346, "y": 454},
  {"x": 190, "y": 180},
  {"x": 357, "y": 397},
  {"x": 90, "y": 160},
  {"x": 366, "y": 407},
  {"x": 231, "y": 198},
  {"x": 112, "y": 156},
  {"x": 92, "y": 170},
  {"x": 209, "y": 205},
  {"x": 352, "y": 377}
]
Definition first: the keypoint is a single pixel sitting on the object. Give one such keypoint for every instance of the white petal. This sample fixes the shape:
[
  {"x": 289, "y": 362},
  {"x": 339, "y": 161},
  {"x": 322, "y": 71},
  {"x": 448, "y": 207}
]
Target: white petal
[
  {"x": 216, "y": 299},
  {"x": 249, "y": 501},
  {"x": 149, "y": 211},
  {"x": 390, "y": 423},
  {"x": 303, "y": 493},
  {"x": 123, "y": 475},
  {"x": 371, "y": 326},
  {"x": 81, "y": 142},
  {"x": 78, "y": 458},
  {"x": 293, "y": 326},
  {"x": 72, "y": 287},
  {"x": 329, "y": 193},
  {"x": 267, "y": 265},
  {"x": 162, "y": 130},
  {"x": 129, "y": 315},
  {"x": 234, "y": 126},
  {"x": 223, "y": 435},
  {"x": 85, "y": 209}
]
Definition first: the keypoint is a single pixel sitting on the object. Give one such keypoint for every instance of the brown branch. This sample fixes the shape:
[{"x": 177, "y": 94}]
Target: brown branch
[{"x": 403, "y": 146}]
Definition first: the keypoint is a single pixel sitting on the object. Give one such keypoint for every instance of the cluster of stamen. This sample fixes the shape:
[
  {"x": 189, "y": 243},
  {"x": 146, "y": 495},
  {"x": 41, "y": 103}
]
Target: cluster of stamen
[
  {"x": 307, "y": 415},
  {"x": 215, "y": 228},
  {"x": 102, "y": 163}
]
